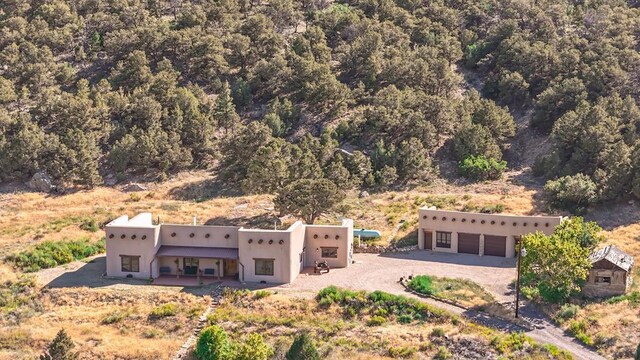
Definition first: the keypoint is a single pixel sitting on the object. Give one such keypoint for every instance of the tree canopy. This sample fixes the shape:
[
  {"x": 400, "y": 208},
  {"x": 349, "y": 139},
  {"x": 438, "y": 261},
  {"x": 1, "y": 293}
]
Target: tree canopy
[
  {"x": 365, "y": 92},
  {"x": 556, "y": 266}
]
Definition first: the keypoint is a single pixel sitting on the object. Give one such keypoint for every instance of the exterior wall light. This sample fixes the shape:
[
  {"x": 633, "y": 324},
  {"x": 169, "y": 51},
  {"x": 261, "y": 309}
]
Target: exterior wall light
[
  {"x": 482, "y": 222},
  {"x": 270, "y": 241},
  {"x": 133, "y": 237},
  {"x": 326, "y": 236},
  {"x": 192, "y": 235},
  {"x": 315, "y": 236},
  {"x": 207, "y": 235},
  {"x": 173, "y": 234},
  {"x": 337, "y": 237},
  {"x": 260, "y": 241},
  {"x": 123, "y": 236},
  {"x": 144, "y": 237},
  {"x": 111, "y": 236},
  {"x": 226, "y": 236},
  {"x": 281, "y": 242},
  {"x": 434, "y": 218},
  {"x": 250, "y": 241}
]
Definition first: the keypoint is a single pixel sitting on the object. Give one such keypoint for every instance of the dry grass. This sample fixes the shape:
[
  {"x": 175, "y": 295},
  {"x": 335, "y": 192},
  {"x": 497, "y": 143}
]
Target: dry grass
[
  {"x": 279, "y": 318},
  {"x": 104, "y": 324}
]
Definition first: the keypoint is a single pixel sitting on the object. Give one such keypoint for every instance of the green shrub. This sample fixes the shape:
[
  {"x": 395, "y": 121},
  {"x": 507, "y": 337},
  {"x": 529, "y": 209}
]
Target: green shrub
[
  {"x": 637, "y": 354},
  {"x": 437, "y": 332},
  {"x": 405, "y": 319},
  {"x": 579, "y": 330},
  {"x": 422, "y": 284},
  {"x": 376, "y": 320},
  {"x": 53, "y": 253},
  {"x": 89, "y": 224},
  {"x": 151, "y": 333},
  {"x": 261, "y": 294},
  {"x": 253, "y": 348},
  {"x": 572, "y": 193},
  {"x": 360, "y": 301},
  {"x": 480, "y": 168},
  {"x": 566, "y": 312},
  {"x": 510, "y": 342},
  {"x": 17, "y": 293},
  {"x": 442, "y": 354},
  {"x": 165, "y": 310},
  {"x": 402, "y": 352},
  {"x": 115, "y": 317},
  {"x": 213, "y": 344},
  {"x": 632, "y": 297},
  {"x": 302, "y": 348}
]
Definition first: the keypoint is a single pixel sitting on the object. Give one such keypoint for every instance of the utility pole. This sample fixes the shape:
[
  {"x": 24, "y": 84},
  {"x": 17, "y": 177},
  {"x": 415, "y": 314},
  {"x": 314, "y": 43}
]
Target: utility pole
[{"x": 520, "y": 248}]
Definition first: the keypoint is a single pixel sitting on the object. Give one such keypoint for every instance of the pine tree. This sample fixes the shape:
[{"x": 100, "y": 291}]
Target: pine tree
[
  {"x": 302, "y": 349},
  {"x": 60, "y": 348},
  {"x": 225, "y": 110}
]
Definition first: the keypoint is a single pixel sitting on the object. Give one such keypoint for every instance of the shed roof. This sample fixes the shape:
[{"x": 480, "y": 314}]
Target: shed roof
[
  {"x": 614, "y": 255},
  {"x": 197, "y": 252}
]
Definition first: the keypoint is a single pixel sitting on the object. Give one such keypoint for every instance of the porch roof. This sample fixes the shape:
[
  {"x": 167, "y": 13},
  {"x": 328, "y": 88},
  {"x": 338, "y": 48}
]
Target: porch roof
[{"x": 197, "y": 252}]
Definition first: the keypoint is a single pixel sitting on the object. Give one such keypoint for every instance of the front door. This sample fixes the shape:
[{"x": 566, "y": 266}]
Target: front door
[
  {"x": 230, "y": 267},
  {"x": 190, "y": 266},
  {"x": 428, "y": 240}
]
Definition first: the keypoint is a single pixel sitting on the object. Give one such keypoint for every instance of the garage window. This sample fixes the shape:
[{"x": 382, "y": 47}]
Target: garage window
[
  {"x": 330, "y": 252},
  {"x": 443, "y": 239},
  {"x": 603, "y": 279},
  {"x": 264, "y": 267},
  {"x": 130, "y": 263}
]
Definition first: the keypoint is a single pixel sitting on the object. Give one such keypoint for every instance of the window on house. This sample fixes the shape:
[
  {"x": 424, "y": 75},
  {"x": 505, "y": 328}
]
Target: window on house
[
  {"x": 264, "y": 266},
  {"x": 329, "y": 252},
  {"x": 443, "y": 239},
  {"x": 603, "y": 279},
  {"x": 130, "y": 263}
]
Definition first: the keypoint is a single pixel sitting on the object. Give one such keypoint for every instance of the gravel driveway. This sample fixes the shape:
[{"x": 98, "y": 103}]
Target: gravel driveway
[{"x": 382, "y": 272}]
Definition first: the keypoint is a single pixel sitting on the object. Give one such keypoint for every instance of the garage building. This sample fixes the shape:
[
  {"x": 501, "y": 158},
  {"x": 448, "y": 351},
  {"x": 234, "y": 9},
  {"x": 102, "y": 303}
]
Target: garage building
[{"x": 478, "y": 233}]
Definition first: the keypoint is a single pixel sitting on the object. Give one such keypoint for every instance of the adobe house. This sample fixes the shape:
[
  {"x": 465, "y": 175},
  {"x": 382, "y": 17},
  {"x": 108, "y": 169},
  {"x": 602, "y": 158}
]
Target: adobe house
[
  {"x": 610, "y": 272},
  {"x": 478, "y": 233},
  {"x": 139, "y": 248}
]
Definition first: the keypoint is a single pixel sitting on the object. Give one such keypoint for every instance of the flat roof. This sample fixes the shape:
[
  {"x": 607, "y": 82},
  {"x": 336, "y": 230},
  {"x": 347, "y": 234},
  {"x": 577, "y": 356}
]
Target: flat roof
[{"x": 197, "y": 252}]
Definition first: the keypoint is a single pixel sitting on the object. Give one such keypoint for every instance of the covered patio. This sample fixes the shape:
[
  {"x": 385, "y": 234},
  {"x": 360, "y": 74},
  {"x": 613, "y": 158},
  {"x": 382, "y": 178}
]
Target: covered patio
[{"x": 195, "y": 264}]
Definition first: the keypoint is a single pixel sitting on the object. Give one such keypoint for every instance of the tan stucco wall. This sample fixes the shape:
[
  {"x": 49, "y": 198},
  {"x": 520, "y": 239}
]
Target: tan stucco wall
[
  {"x": 183, "y": 235},
  {"x": 280, "y": 253},
  {"x": 297, "y": 239},
  {"x": 484, "y": 224},
  {"x": 319, "y": 236},
  {"x": 117, "y": 246}
]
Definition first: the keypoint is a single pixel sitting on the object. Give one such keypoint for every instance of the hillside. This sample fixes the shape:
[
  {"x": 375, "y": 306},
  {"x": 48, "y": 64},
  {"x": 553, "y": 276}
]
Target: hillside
[{"x": 95, "y": 89}]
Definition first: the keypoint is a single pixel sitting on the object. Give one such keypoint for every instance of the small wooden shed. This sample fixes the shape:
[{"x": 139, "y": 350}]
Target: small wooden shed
[{"x": 610, "y": 272}]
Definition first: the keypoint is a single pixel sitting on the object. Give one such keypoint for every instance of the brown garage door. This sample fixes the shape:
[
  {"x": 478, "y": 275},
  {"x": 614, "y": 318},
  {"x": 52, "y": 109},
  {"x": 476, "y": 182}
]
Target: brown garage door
[
  {"x": 428, "y": 240},
  {"x": 495, "y": 245},
  {"x": 468, "y": 243}
]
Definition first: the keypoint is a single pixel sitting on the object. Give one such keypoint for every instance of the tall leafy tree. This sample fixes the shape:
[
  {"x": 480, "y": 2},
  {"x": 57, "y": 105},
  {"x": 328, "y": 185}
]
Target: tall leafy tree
[{"x": 308, "y": 198}]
